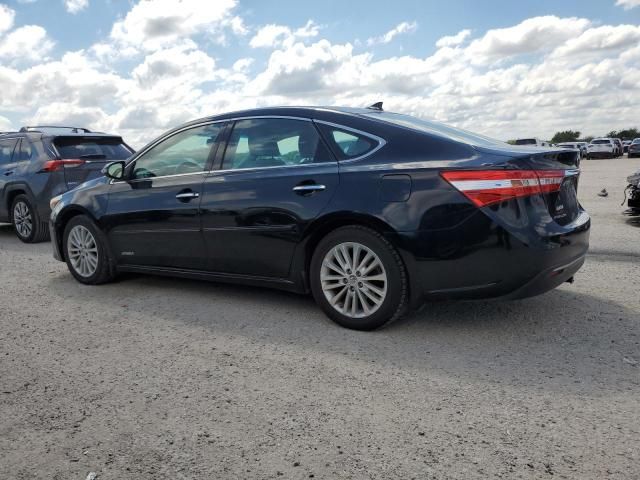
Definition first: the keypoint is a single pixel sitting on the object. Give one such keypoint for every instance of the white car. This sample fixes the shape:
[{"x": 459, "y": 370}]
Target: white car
[
  {"x": 532, "y": 142},
  {"x": 572, "y": 146},
  {"x": 602, "y": 148}
]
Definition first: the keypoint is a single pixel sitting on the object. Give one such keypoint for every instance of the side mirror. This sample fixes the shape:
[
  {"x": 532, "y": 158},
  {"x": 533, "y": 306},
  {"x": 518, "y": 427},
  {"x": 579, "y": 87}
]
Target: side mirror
[{"x": 114, "y": 170}]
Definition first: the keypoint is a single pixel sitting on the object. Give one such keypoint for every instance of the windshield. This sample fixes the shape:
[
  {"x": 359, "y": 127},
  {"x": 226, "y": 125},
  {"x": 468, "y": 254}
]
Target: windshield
[
  {"x": 435, "y": 128},
  {"x": 108, "y": 148},
  {"x": 601, "y": 142}
]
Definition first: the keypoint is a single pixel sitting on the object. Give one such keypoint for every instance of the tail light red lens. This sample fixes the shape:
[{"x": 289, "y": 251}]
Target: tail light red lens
[
  {"x": 54, "y": 165},
  {"x": 485, "y": 187}
]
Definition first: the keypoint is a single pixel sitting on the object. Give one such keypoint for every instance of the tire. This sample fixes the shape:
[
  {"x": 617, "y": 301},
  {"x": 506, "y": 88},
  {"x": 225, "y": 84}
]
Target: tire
[
  {"x": 326, "y": 283},
  {"x": 81, "y": 235},
  {"x": 26, "y": 221}
]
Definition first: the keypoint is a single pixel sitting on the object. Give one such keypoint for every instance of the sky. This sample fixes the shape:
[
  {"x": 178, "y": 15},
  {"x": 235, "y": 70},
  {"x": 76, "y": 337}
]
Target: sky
[{"x": 497, "y": 67}]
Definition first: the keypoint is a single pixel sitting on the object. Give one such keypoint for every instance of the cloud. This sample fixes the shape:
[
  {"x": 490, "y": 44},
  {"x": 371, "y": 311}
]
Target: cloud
[
  {"x": 75, "y": 6},
  {"x": 272, "y": 36},
  {"x": 151, "y": 25},
  {"x": 453, "y": 40},
  {"x": 5, "y": 124},
  {"x": 28, "y": 43},
  {"x": 628, "y": 4},
  {"x": 533, "y": 35},
  {"x": 401, "y": 28},
  {"x": 597, "y": 40},
  {"x": 7, "y": 16}
]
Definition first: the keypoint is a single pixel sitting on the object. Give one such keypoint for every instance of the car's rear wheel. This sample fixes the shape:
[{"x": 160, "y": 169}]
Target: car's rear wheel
[
  {"x": 358, "y": 278},
  {"x": 86, "y": 252},
  {"x": 26, "y": 221}
]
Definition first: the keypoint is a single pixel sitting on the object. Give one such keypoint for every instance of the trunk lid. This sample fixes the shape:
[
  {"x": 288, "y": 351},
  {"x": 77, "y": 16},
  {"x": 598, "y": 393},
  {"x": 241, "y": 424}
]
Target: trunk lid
[{"x": 553, "y": 166}]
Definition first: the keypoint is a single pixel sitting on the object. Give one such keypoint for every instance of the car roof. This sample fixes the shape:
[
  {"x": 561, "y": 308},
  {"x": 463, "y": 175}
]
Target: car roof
[{"x": 39, "y": 135}]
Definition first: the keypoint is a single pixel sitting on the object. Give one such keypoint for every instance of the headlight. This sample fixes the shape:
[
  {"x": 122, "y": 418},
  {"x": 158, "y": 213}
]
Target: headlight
[{"x": 55, "y": 201}]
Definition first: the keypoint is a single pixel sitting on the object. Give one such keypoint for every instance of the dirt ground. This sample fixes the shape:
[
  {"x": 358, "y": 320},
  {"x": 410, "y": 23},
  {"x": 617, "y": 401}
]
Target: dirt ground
[{"x": 156, "y": 378}]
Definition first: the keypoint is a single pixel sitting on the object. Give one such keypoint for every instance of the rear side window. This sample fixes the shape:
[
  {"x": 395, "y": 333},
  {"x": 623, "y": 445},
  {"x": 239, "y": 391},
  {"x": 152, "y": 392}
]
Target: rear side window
[
  {"x": 25, "y": 151},
  {"x": 92, "y": 148},
  {"x": 6, "y": 150},
  {"x": 274, "y": 142},
  {"x": 349, "y": 144}
]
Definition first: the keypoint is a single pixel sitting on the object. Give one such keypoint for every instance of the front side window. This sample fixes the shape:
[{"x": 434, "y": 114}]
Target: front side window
[
  {"x": 6, "y": 150},
  {"x": 184, "y": 152},
  {"x": 273, "y": 142}
]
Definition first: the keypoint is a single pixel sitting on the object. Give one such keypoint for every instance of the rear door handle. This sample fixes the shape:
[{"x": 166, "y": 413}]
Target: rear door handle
[
  {"x": 186, "y": 196},
  {"x": 8, "y": 172},
  {"x": 302, "y": 189}
]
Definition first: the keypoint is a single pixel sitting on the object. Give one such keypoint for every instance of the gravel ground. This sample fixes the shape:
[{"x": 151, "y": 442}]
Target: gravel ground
[{"x": 153, "y": 378}]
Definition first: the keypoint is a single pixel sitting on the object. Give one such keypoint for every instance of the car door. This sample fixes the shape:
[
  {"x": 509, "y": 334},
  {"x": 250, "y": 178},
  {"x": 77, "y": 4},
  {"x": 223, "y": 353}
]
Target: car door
[
  {"x": 7, "y": 171},
  {"x": 276, "y": 176},
  {"x": 153, "y": 217}
]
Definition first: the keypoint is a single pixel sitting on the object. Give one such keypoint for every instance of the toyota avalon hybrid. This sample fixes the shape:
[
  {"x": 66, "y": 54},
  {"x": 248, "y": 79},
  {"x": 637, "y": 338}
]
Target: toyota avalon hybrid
[{"x": 371, "y": 212}]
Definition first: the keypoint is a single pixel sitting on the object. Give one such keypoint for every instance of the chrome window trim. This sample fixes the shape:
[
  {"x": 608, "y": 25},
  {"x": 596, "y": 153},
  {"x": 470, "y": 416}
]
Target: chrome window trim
[
  {"x": 381, "y": 141},
  {"x": 146, "y": 179},
  {"x": 214, "y": 173}
]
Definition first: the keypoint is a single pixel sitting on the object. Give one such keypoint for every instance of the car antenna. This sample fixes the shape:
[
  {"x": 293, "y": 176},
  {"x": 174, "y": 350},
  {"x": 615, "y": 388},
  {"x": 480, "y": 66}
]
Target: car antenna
[{"x": 376, "y": 106}]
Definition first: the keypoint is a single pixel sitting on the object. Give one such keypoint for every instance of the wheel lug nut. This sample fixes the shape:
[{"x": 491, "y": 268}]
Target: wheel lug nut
[
  {"x": 351, "y": 288},
  {"x": 360, "y": 284},
  {"x": 349, "y": 271},
  {"x": 344, "y": 280},
  {"x": 357, "y": 273}
]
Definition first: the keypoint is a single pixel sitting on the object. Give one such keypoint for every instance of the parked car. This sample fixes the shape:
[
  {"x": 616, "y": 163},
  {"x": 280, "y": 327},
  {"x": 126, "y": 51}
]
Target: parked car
[
  {"x": 38, "y": 163},
  {"x": 602, "y": 148},
  {"x": 634, "y": 148},
  {"x": 625, "y": 145},
  {"x": 532, "y": 142},
  {"x": 370, "y": 211},
  {"x": 574, "y": 146},
  {"x": 633, "y": 194},
  {"x": 619, "y": 147}
]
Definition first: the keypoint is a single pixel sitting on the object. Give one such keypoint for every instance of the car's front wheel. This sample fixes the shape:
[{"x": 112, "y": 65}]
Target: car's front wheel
[
  {"x": 359, "y": 279},
  {"x": 86, "y": 252}
]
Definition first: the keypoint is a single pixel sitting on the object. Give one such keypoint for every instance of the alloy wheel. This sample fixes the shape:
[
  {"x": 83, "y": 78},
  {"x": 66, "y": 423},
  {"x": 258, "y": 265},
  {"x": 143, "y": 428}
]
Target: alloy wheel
[
  {"x": 22, "y": 219},
  {"x": 353, "y": 279},
  {"x": 83, "y": 251}
]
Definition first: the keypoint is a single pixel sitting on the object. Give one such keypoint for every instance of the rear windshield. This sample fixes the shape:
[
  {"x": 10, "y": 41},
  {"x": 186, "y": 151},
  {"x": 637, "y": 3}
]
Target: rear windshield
[
  {"x": 92, "y": 148},
  {"x": 601, "y": 142},
  {"x": 435, "y": 128},
  {"x": 526, "y": 141}
]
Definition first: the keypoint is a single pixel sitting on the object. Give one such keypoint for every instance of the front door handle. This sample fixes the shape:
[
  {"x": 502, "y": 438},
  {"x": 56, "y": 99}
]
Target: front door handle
[
  {"x": 186, "y": 196},
  {"x": 8, "y": 172},
  {"x": 306, "y": 189}
]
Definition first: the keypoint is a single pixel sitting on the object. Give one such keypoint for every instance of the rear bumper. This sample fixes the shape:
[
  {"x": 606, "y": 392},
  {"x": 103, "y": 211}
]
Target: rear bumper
[
  {"x": 481, "y": 259},
  {"x": 601, "y": 154}
]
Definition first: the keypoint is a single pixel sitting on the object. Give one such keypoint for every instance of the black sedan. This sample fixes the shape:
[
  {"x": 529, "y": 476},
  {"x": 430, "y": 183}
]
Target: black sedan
[{"x": 372, "y": 212}]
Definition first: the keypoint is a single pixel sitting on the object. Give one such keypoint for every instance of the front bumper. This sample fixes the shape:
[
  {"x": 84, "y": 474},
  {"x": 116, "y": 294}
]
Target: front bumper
[{"x": 55, "y": 243}]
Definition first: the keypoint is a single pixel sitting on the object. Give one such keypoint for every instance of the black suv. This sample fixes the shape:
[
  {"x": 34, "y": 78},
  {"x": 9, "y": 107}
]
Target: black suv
[{"x": 38, "y": 163}]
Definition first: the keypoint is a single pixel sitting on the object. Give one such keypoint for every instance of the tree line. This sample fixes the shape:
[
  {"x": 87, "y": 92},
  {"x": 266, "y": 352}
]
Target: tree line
[{"x": 574, "y": 135}]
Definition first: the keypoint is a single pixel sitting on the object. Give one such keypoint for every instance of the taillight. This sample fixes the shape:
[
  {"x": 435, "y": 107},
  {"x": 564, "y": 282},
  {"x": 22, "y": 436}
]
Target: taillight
[
  {"x": 54, "y": 165},
  {"x": 485, "y": 187}
]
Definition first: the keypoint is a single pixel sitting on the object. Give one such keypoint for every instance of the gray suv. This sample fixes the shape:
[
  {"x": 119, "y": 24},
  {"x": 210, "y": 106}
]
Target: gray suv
[{"x": 38, "y": 163}]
